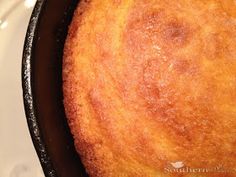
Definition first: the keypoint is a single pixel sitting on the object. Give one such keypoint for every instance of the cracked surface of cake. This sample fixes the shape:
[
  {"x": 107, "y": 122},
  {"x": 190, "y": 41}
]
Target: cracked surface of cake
[{"x": 150, "y": 87}]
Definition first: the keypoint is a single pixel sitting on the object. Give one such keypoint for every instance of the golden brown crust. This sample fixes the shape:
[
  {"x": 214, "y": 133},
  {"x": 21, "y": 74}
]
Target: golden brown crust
[{"x": 147, "y": 83}]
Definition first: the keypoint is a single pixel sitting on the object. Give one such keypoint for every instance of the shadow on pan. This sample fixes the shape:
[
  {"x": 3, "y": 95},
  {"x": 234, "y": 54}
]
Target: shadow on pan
[{"x": 42, "y": 88}]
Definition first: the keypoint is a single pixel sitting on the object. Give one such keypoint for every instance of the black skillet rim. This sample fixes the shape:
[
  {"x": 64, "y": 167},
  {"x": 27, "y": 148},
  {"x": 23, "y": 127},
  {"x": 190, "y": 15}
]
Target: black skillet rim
[{"x": 28, "y": 97}]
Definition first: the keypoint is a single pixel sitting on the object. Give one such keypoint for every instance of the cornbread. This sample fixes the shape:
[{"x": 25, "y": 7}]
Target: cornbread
[{"x": 150, "y": 87}]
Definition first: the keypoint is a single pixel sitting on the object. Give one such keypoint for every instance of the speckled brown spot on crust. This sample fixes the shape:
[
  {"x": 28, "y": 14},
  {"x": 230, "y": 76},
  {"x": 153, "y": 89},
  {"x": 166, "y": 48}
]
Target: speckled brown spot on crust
[{"x": 176, "y": 33}]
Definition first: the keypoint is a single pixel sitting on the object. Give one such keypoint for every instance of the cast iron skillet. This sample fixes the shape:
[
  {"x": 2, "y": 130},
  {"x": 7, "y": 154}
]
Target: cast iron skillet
[{"x": 42, "y": 88}]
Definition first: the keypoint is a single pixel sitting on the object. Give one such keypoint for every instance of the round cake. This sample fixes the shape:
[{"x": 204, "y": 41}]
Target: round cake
[{"x": 150, "y": 87}]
